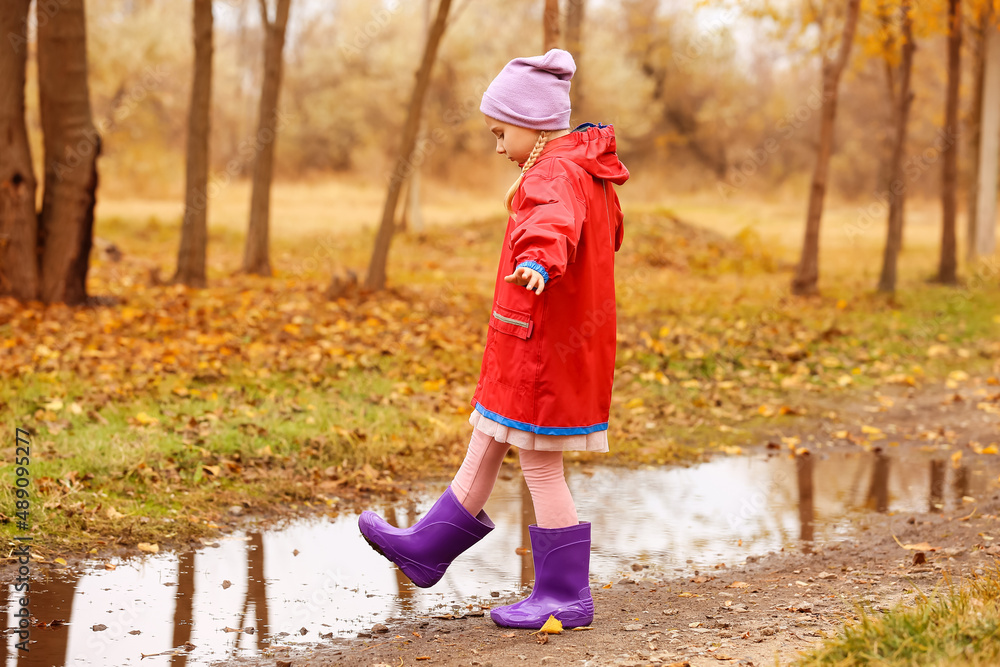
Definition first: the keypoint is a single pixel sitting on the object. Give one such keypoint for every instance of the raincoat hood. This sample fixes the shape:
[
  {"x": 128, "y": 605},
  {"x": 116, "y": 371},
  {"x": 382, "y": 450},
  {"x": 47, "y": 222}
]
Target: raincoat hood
[{"x": 593, "y": 149}]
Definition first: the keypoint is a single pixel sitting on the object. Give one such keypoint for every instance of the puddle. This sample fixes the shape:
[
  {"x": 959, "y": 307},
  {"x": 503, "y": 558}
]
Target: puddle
[{"x": 320, "y": 574}]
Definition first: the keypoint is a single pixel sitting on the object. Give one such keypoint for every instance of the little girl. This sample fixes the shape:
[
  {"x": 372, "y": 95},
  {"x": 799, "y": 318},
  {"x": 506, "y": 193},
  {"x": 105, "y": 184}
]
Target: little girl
[{"x": 545, "y": 382}]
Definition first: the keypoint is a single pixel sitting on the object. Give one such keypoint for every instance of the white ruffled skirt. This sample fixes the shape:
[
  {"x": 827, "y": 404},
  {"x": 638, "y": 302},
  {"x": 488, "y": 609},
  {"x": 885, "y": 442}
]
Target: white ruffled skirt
[{"x": 589, "y": 442}]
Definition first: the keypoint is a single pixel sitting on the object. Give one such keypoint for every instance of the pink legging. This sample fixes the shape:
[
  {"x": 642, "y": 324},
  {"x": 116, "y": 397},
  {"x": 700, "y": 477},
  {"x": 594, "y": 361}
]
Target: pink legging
[{"x": 543, "y": 472}]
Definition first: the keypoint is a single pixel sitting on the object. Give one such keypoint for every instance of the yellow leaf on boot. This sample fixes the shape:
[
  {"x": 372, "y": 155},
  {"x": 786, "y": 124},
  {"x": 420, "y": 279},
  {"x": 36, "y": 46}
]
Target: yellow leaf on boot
[{"x": 553, "y": 626}]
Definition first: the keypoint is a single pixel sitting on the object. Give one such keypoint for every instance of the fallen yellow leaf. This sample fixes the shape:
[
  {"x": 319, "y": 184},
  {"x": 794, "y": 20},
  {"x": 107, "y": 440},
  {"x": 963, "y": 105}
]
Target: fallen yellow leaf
[
  {"x": 145, "y": 419},
  {"x": 553, "y": 626},
  {"x": 148, "y": 548},
  {"x": 923, "y": 546}
]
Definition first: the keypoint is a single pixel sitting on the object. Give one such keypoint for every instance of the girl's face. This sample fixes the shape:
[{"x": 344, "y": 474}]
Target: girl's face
[{"x": 513, "y": 141}]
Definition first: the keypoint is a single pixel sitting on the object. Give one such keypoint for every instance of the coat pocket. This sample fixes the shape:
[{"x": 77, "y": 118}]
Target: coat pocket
[{"x": 513, "y": 322}]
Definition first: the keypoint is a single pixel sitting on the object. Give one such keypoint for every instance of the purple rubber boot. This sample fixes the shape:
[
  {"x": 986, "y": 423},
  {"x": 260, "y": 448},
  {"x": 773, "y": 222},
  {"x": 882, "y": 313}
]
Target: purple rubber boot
[
  {"x": 425, "y": 550},
  {"x": 562, "y": 581}
]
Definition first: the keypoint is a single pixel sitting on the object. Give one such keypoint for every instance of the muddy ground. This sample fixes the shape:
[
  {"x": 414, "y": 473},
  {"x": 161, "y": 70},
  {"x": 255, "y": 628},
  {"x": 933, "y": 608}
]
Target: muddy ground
[
  {"x": 789, "y": 601},
  {"x": 762, "y": 612}
]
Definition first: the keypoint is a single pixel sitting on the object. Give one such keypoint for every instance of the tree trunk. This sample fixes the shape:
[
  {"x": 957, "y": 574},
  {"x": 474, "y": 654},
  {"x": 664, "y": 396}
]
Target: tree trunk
[
  {"x": 375, "y": 280},
  {"x": 550, "y": 25},
  {"x": 574, "y": 44},
  {"x": 256, "y": 258},
  {"x": 807, "y": 271},
  {"x": 413, "y": 216},
  {"x": 989, "y": 145},
  {"x": 72, "y": 145},
  {"x": 897, "y": 182},
  {"x": 18, "y": 218},
  {"x": 975, "y": 123},
  {"x": 194, "y": 230},
  {"x": 948, "y": 264}
]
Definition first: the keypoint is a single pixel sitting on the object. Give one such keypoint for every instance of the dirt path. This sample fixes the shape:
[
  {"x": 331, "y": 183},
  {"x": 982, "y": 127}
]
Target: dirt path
[{"x": 766, "y": 610}]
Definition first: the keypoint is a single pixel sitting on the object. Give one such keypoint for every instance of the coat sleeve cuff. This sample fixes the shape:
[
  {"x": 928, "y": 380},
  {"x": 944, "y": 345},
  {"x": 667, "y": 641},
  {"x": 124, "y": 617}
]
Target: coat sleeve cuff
[{"x": 534, "y": 266}]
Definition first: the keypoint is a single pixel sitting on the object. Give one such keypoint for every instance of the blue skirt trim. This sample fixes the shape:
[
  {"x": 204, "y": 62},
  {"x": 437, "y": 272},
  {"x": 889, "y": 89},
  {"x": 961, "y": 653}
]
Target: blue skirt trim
[{"x": 541, "y": 430}]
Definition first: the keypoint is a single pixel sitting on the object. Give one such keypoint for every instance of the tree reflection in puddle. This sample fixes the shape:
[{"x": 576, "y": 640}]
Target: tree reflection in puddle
[{"x": 320, "y": 575}]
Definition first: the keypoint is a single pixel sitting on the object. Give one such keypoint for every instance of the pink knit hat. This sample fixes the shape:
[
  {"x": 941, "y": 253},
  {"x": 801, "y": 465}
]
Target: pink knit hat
[{"x": 532, "y": 92}]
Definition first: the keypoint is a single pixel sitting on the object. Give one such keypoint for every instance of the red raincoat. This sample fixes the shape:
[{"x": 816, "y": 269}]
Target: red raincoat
[{"x": 549, "y": 360}]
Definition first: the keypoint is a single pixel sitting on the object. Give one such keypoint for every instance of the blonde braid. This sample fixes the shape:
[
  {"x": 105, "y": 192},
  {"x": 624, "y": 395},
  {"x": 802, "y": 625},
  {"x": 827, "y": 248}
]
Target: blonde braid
[{"x": 543, "y": 137}]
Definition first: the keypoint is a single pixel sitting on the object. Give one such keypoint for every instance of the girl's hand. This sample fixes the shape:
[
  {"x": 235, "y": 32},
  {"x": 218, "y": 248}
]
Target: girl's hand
[{"x": 528, "y": 277}]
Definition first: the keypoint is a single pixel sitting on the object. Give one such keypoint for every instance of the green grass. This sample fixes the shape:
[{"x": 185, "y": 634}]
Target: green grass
[
  {"x": 266, "y": 443},
  {"x": 956, "y": 626}
]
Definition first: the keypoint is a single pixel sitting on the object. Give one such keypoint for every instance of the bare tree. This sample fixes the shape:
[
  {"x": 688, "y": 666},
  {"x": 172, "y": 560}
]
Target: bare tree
[
  {"x": 989, "y": 144},
  {"x": 948, "y": 263},
  {"x": 550, "y": 25},
  {"x": 72, "y": 145},
  {"x": 807, "y": 272},
  {"x": 194, "y": 230},
  {"x": 897, "y": 184},
  {"x": 574, "y": 44},
  {"x": 413, "y": 216},
  {"x": 375, "y": 280},
  {"x": 256, "y": 257},
  {"x": 18, "y": 218},
  {"x": 978, "y": 34}
]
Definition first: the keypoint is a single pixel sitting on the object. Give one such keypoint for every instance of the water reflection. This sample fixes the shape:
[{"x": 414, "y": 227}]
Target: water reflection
[
  {"x": 404, "y": 587},
  {"x": 527, "y": 519},
  {"x": 183, "y": 606},
  {"x": 936, "y": 501},
  {"x": 256, "y": 596},
  {"x": 878, "y": 490},
  {"x": 52, "y": 642},
  {"x": 807, "y": 507},
  {"x": 320, "y": 575},
  {"x": 961, "y": 483}
]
